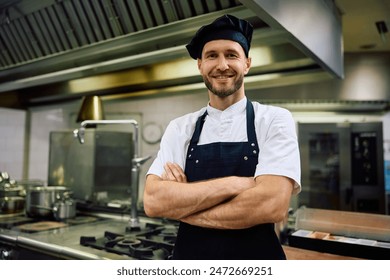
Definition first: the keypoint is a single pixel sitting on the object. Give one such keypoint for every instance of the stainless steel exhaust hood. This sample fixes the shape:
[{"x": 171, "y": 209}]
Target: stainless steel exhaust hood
[{"x": 57, "y": 50}]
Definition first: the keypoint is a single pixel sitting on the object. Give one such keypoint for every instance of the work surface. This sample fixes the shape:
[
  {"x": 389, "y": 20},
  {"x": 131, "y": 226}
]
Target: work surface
[{"x": 64, "y": 242}]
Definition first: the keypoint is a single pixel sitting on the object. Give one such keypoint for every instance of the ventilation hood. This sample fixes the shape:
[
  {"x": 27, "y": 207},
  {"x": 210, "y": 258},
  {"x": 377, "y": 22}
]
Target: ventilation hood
[{"x": 53, "y": 50}]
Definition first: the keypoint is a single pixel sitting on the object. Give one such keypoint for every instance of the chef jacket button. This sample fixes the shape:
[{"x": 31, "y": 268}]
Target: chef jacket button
[
  {"x": 245, "y": 158},
  {"x": 196, "y": 161},
  {"x": 192, "y": 149},
  {"x": 254, "y": 151},
  {"x": 189, "y": 155},
  {"x": 253, "y": 144}
]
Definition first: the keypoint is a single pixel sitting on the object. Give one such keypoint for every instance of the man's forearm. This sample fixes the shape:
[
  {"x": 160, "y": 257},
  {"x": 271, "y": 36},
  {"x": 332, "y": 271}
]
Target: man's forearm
[
  {"x": 177, "y": 200},
  {"x": 268, "y": 202}
]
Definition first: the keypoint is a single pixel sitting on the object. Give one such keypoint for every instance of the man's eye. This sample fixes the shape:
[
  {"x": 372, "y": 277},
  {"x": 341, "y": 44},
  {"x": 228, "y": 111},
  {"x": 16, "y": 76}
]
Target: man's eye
[
  {"x": 212, "y": 55},
  {"x": 231, "y": 55}
]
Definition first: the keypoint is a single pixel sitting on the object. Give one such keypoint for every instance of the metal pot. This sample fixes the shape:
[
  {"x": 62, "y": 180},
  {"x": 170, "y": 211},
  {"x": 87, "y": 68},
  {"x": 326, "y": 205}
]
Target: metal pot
[
  {"x": 64, "y": 209},
  {"x": 61, "y": 210},
  {"x": 12, "y": 204},
  {"x": 40, "y": 200}
]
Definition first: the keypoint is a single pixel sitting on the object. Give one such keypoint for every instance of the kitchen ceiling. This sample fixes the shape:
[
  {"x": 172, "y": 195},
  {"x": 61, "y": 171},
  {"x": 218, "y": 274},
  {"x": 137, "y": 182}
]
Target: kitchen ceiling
[
  {"x": 360, "y": 32},
  {"x": 47, "y": 46}
]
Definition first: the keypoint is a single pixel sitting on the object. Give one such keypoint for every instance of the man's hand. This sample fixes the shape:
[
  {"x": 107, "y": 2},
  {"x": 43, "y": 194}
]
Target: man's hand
[{"x": 173, "y": 172}]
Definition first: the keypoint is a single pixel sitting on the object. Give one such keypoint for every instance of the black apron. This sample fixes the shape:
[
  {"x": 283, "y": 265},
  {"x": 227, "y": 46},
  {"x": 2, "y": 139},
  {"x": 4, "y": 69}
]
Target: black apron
[{"x": 217, "y": 160}]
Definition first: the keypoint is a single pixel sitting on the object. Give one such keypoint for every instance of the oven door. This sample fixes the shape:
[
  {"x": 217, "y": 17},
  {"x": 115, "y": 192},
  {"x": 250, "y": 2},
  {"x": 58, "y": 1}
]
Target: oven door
[{"x": 342, "y": 166}]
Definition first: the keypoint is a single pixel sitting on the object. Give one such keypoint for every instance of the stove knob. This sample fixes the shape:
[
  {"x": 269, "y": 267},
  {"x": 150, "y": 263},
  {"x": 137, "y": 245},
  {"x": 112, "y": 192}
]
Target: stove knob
[{"x": 5, "y": 254}]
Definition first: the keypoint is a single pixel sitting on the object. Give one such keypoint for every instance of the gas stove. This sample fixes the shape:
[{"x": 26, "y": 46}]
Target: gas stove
[
  {"x": 152, "y": 242},
  {"x": 102, "y": 236}
]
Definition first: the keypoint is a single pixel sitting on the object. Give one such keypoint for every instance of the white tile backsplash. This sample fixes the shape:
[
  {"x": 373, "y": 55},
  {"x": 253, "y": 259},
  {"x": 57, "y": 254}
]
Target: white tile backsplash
[
  {"x": 43, "y": 121},
  {"x": 12, "y": 137}
]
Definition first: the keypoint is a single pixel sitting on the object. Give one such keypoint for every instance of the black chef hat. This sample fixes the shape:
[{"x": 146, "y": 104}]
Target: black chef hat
[{"x": 226, "y": 27}]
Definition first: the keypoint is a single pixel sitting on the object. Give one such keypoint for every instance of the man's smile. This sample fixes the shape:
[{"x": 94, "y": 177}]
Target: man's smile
[{"x": 222, "y": 76}]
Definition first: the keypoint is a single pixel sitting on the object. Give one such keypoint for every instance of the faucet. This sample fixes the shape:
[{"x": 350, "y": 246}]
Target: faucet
[{"x": 136, "y": 163}]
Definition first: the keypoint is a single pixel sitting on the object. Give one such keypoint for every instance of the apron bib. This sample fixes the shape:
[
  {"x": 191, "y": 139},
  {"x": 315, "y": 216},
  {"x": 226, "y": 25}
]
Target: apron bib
[{"x": 217, "y": 160}]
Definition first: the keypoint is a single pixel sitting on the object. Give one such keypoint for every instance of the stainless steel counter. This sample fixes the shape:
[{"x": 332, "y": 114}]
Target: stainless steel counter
[{"x": 64, "y": 243}]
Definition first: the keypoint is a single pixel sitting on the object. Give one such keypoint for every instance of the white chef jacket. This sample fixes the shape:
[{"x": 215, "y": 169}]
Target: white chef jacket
[{"x": 275, "y": 132}]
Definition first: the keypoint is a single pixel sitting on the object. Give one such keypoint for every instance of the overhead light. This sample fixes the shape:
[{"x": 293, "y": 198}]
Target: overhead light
[{"x": 91, "y": 109}]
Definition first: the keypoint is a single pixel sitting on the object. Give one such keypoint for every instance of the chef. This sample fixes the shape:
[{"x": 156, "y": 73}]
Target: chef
[{"x": 226, "y": 172}]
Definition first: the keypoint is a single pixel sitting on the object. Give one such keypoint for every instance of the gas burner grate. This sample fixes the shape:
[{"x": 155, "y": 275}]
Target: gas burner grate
[{"x": 155, "y": 242}]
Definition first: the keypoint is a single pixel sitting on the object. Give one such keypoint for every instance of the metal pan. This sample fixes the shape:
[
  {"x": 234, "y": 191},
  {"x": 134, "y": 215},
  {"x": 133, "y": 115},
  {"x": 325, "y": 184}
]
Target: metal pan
[
  {"x": 40, "y": 200},
  {"x": 12, "y": 204}
]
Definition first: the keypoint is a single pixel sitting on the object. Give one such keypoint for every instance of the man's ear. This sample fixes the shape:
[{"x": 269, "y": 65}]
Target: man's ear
[
  {"x": 199, "y": 61},
  {"x": 248, "y": 64}
]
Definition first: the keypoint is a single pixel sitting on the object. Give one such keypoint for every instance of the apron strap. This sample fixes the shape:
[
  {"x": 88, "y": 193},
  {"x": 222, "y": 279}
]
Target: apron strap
[
  {"x": 198, "y": 129},
  {"x": 250, "y": 125}
]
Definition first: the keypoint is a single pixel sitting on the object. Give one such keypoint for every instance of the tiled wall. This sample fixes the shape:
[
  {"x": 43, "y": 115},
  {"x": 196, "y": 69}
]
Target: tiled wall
[
  {"x": 43, "y": 121},
  {"x": 12, "y": 137}
]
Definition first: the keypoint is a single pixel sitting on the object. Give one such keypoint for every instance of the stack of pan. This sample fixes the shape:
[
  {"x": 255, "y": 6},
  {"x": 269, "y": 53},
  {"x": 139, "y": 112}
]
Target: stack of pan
[{"x": 12, "y": 196}]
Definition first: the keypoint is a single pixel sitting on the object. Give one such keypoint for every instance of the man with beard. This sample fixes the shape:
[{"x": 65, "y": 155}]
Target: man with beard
[{"x": 227, "y": 171}]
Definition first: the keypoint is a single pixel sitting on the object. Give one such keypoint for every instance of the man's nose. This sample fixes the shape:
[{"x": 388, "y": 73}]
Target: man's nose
[{"x": 222, "y": 64}]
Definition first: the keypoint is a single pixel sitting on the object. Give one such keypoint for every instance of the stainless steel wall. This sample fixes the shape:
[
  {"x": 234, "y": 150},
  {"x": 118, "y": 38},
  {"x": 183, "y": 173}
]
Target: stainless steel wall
[{"x": 366, "y": 79}]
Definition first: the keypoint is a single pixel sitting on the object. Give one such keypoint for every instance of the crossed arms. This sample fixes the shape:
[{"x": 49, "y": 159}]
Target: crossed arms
[{"x": 224, "y": 203}]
